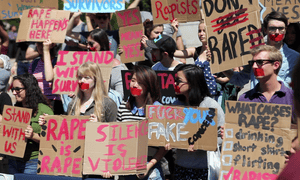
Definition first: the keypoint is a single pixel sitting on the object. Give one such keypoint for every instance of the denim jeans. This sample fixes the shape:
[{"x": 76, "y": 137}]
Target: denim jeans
[{"x": 19, "y": 166}]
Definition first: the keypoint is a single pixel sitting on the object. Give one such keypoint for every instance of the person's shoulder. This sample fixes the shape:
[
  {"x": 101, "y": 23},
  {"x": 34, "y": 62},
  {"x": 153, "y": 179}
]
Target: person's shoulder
[
  {"x": 247, "y": 96},
  {"x": 209, "y": 102},
  {"x": 156, "y": 66},
  {"x": 45, "y": 108},
  {"x": 290, "y": 52},
  {"x": 108, "y": 100}
]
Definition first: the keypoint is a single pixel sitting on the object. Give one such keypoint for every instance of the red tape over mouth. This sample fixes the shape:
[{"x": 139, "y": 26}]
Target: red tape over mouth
[
  {"x": 136, "y": 91},
  {"x": 258, "y": 72},
  {"x": 84, "y": 86}
]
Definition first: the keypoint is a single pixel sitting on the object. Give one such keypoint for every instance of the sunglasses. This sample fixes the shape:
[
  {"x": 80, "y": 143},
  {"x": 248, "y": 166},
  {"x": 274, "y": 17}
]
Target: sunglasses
[
  {"x": 260, "y": 62},
  {"x": 91, "y": 43},
  {"x": 102, "y": 17},
  {"x": 17, "y": 89},
  {"x": 273, "y": 29}
]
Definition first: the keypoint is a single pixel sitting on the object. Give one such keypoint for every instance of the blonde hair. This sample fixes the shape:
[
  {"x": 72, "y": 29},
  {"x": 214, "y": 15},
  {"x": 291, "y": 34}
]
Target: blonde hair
[
  {"x": 93, "y": 70},
  {"x": 274, "y": 53}
]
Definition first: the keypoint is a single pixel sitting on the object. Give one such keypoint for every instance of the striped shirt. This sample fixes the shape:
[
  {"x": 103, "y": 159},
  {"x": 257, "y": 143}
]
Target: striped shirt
[{"x": 136, "y": 114}]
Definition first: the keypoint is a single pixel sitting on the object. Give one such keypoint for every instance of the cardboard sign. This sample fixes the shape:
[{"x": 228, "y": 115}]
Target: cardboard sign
[
  {"x": 94, "y": 6},
  {"x": 290, "y": 9},
  {"x": 182, "y": 126},
  {"x": 120, "y": 148},
  {"x": 166, "y": 80},
  {"x": 11, "y": 9},
  {"x": 65, "y": 80},
  {"x": 62, "y": 145},
  {"x": 42, "y": 24},
  {"x": 165, "y": 11},
  {"x": 131, "y": 31},
  {"x": 256, "y": 137},
  {"x": 233, "y": 29},
  {"x": 12, "y": 129}
]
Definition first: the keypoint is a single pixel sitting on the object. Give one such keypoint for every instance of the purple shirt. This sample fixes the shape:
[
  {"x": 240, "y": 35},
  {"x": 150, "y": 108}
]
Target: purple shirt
[{"x": 283, "y": 96}]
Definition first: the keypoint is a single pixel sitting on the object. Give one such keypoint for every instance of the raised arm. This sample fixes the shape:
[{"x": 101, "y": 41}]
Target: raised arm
[
  {"x": 49, "y": 71},
  {"x": 71, "y": 25},
  {"x": 134, "y": 4},
  {"x": 187, "y": 53}
]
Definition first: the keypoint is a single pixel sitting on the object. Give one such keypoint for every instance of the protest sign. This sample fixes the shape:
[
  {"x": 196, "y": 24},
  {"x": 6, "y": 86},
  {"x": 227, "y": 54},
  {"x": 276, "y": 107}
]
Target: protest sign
[
  {"x": 12, "y": 129},
  {"x": 165, "y": 11},
  {"x": 42, "y": 24},
  {"x": 182, "y": 126},
  {"x": 131, "y": 31},
  {"x": 94, "y": 6},
  {"x": 233, "y": 29},
  {"x": 120, "y": 148},
  {"x": 11, "y": 9},
  {"x": 291, "y": 9},
  {"x": 62, "y": 145},
  {"x": 65, "y": 76},
  {"x": 256, "y": 137},
  {"x": 166, "y": 80}
]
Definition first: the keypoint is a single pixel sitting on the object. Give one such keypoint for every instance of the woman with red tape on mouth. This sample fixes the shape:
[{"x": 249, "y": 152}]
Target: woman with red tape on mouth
[
  {"x": 191, "y": 90},
  {"x": 144, "y": 90},
  {"x": 92, "y": 98}
]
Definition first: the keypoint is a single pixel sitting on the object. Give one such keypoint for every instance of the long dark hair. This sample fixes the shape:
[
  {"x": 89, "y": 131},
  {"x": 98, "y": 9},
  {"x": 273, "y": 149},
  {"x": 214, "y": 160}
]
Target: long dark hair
[
  {"x": 34, "y": 95},
  {"x": 100, "y": 36},
  {"x": 198, "y": 89},
  {"x": 297, "y": 40},
  {"x": 146, "y": 76}
]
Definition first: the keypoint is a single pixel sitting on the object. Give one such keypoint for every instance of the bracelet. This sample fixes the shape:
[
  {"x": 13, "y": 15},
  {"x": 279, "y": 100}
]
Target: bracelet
[{"x": 151, "y": 162}]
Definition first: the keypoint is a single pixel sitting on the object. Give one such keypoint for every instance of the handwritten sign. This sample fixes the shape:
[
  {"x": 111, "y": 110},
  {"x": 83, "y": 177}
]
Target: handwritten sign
[
  {"x": 11, "y": 9},
  {"x": 233, "y": 29},
  {"x": 255, "y": 140},
  {"x": 184, "y": 10},
  {"x": 62, "y": 145},
  {"x": 131, "y": 31},
  {"x": 290, "y": 9},
  {"x": 94, "y": 6},
  {"x": 120, "y": 148},
  {"x": 42, "y": 24},
  {"x": 182, "y": 126},
  {"x": 166, "y": 80},
  {"x": 65, "y": 80},
  {"x": 14, "y": 123}
]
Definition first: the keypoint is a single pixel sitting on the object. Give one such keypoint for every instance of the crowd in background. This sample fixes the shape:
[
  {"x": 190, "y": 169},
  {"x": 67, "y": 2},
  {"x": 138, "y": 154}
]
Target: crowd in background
[{"x": 271, "y": 75}]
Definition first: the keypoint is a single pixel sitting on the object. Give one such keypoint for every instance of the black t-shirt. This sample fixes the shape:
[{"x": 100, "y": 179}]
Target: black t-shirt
[{"x": 4, "y": 100}]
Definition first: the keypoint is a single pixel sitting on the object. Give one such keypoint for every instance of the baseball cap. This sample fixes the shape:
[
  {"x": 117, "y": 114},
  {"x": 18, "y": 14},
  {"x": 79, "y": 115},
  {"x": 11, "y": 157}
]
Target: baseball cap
[{"x": 162, "y": 42}]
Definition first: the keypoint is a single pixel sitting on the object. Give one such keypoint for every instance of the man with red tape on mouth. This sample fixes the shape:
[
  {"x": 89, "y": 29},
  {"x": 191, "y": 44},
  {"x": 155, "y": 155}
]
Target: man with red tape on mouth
[
  {"x": 274, "y": 26},
  {"x": 266, "y": 63}
]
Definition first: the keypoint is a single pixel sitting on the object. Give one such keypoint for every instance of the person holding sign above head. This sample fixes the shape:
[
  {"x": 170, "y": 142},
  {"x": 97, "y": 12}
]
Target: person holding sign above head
[
  {"x": 274, "y": 25},
  {"x": 42, "y": 69},
  {"x": 144, "y": 90},
  {"x": 266, "y": 63},
  {"x": 102, "y": 21},
  {"x": 201, "y": 57},
  {"x": 191, "y": 89},
  {"x": 29, "y": 95},
  {"x": 163, "y": 48}
]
